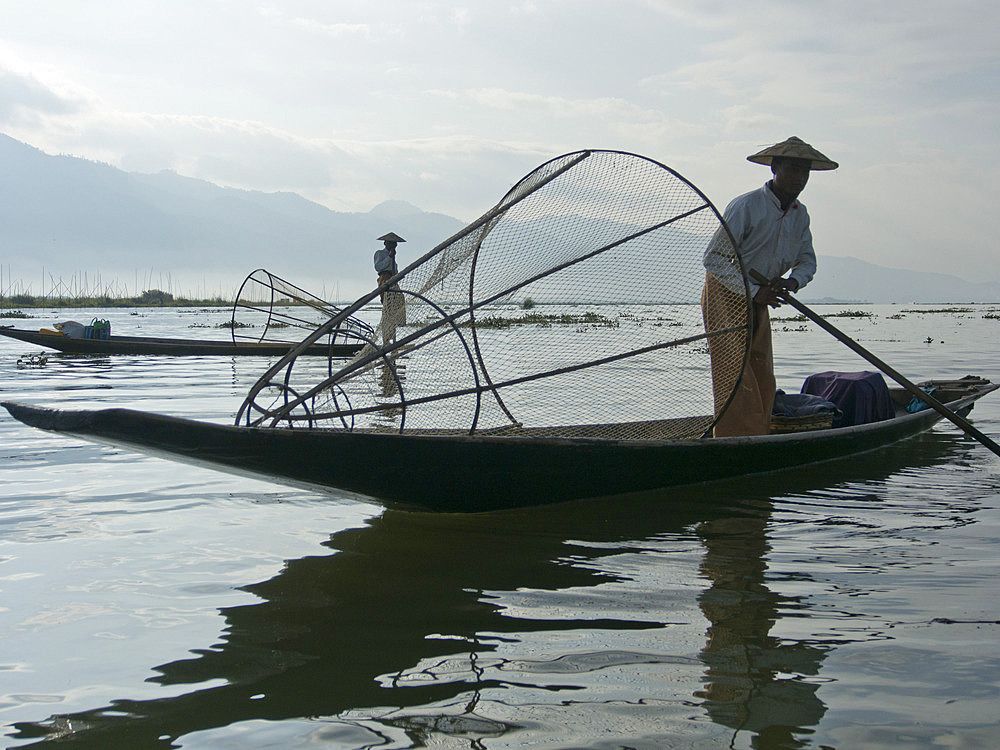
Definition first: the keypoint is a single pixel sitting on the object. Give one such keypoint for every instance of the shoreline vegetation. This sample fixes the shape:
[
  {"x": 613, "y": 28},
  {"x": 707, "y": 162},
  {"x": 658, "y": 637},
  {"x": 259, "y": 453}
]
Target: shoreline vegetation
[
  {"x": 149, "y": 298},
  {"x": 11, "y": 305}
]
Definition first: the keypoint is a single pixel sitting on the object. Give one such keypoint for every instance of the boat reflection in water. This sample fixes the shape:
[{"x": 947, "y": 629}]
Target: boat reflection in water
[{"x": 511, "y": 627}]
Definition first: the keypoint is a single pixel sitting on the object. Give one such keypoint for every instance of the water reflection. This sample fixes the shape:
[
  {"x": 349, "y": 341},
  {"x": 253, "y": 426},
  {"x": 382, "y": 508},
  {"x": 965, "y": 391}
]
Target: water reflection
[
  {"x": 397, "y": 631},
  {"x": 753, "y": 681},
  {"x": 391, "y": 378}
]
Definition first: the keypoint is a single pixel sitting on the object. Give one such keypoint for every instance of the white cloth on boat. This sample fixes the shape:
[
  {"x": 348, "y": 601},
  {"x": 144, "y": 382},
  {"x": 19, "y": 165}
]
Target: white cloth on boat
[{"x": 72, "y": 329}]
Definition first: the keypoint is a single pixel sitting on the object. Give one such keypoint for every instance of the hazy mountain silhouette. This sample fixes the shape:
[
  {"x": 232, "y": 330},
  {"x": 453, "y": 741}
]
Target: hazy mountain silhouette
[
  {"x": 70, "y": 214},
  {"x": 66, "y": 215},
  {"x": 850, "y": 279}
]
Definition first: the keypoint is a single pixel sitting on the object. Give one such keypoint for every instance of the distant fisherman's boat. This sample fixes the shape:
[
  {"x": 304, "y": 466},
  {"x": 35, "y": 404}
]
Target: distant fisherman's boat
[
  {"x": 139, "y": 345},
  {"x": 265, "y": 305}
]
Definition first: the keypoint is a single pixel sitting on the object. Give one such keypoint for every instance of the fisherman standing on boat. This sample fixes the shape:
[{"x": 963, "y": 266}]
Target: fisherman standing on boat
[
  {"x": 771, "y": 230},
  {"x": 385, "y": 257},
  {"x": 393, "y": 309}
]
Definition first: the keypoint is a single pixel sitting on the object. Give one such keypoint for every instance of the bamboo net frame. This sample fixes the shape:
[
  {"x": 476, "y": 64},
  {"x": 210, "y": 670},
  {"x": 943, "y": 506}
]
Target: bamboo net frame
[{"x": 570, "y": 309}]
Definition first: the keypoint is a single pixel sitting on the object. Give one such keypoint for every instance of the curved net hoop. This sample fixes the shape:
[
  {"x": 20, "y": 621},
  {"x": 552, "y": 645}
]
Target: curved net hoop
[
  {"x": 571, "y": 309},
  {"x": 270, "y": 309}
]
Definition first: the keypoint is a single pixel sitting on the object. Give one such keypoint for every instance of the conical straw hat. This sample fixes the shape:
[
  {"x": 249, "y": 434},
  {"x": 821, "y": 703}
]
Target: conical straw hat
[
  {"x": 391, "y": 237},
  {"x": 793, "y": 148}
]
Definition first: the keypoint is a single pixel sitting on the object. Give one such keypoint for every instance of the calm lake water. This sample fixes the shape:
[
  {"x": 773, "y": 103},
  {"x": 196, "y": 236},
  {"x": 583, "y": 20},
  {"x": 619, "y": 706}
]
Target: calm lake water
[{"x": 149, "y": 604}]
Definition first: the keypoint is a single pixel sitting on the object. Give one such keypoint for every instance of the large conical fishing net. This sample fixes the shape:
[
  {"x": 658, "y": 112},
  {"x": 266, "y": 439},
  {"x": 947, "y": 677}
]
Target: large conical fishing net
[
  {"x": 571, "y": 309},
  {"x": 269, "y": 309}
]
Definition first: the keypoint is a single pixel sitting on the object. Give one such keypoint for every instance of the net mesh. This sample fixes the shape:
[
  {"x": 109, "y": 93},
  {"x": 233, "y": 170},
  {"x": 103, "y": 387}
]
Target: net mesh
[
  {"x": 571, "y": 309},
  {"x": 269, "y": 309}
]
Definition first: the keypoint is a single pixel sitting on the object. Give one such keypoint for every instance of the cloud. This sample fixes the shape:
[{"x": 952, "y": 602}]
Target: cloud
[
  {"x": 459, "y": 175},
  {"x": 461, "y": 17},
  {"x": 570, "y": 123},
  {"x": 23, "y": 98},
  {"x": 524, "y": 8},
  {"x": 742, "y": 117},
  {"x": 547, "y": 105},
  {"x": 314, "y": 25},
  {"x": 830, "y": 55}
]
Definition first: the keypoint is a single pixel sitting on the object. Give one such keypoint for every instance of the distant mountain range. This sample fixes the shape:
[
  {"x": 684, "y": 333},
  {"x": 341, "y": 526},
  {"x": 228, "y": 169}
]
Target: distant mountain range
[
  {"x": 853, "y": 280},
  {"x": 67, "y": 215},
  {"x": 63, "y": 216}
]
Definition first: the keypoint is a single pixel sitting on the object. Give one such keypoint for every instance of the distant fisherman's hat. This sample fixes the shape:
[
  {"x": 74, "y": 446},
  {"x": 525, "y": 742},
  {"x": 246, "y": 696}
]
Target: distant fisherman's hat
[
  {"x": 391, "y": 237},
  {"x": 793, "y": 148}
]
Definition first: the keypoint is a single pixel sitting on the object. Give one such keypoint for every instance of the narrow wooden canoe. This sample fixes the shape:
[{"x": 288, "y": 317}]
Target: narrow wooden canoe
[
  {"x": 170, "y": 347},
  {"x": 462, "y": 473}
]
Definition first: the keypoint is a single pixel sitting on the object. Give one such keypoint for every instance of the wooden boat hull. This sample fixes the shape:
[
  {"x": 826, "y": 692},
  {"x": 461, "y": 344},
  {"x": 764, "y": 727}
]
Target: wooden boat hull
[
  {"x": 142, "y": 345},
  {"x": 463, "y": 473}
]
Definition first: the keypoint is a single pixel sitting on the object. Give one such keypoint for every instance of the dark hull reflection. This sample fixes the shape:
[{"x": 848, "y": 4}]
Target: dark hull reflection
[{"x": 334, "y": 635}]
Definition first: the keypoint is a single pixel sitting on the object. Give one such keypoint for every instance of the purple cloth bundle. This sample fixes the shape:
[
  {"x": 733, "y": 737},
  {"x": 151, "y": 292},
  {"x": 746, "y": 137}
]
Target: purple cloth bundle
[{"x": 862, "y": 397}]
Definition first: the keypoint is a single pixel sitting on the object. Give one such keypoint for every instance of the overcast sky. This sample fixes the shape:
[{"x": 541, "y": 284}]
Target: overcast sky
[{"x": 446, "y": 105}]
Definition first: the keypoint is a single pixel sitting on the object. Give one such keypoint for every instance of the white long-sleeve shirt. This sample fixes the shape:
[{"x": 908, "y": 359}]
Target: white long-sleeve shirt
[{"x": 769, "y": 240}]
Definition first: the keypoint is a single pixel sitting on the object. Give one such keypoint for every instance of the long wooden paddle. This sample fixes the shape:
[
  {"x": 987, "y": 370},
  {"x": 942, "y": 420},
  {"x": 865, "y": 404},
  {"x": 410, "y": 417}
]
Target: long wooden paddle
[{"x": 940, "y": 408}]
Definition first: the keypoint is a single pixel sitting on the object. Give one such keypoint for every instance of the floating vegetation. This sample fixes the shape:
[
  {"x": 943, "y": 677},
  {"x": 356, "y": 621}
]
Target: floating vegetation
[
  {"x": 33, "y": 360},
  {"x": 537, "y": 319},
  {"x": 992, "y": 316},
  {"x": 528, "y": 304},
  {"x": 654, "y": 320},
  {"x": 843, "y": 314},
  {"x": 14, "y": 314},
  {"x": 851, "y": 314},
  {"x": 234, "y": 324},
  {"x": 546, "y": 321},
  {"x": 941, "y": 310},
  {"x": 897, "y": 316}
]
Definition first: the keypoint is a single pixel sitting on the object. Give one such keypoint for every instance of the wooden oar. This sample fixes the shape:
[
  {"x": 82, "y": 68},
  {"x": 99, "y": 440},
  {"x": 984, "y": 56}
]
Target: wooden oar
[{"x": 940, "y": 408}]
